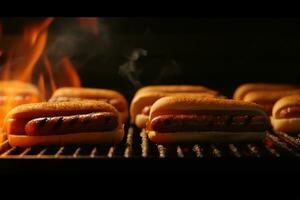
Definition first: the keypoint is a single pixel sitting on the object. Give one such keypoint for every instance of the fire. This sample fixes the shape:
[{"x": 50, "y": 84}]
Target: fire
[
  {"x": 26, "y": 56},
  {"x": 49, "y": 67},
  {"x": 70, "y": 75},
  {"x": 42, "y": 86}
]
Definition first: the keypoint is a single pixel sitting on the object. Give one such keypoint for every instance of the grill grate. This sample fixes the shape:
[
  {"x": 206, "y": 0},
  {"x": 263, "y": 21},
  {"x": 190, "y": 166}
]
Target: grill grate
[{"x": 137, "y": 145}]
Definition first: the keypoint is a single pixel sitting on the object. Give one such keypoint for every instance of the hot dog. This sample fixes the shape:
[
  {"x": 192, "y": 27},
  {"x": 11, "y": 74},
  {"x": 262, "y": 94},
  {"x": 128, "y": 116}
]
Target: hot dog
[
  {"x": 142, "y": 102},
  {"x": 264, "y": 94},
  {"x": 14, "y": 93},
  {"x": 59, "y": 123},
  {"x": 177, "y": 119},
  {"x": 286, "y": 114},
  {"x": 110, "y": 96},
  {"x": 177, "y": 89},
  {"x": 244, "y": 89}
]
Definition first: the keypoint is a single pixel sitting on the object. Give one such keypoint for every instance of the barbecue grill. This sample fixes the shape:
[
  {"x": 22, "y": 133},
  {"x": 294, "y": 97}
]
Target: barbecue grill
[
  {"x": 207, "y": 52},
  {"x": 137, "y": 149}
]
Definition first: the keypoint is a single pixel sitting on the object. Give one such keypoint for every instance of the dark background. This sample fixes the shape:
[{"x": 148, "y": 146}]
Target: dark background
[{"x": 220, "y": 53}]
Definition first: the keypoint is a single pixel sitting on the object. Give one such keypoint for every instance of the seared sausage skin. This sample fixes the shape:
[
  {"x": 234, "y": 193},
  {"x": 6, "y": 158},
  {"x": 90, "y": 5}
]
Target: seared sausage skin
[
  {"x": 93, "y": 122},
  {"x": 176, "y": 123}
]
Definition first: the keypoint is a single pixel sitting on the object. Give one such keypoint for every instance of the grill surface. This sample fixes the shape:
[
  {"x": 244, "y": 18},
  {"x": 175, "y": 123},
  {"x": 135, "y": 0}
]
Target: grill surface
[{"x": 137, "y": 145}]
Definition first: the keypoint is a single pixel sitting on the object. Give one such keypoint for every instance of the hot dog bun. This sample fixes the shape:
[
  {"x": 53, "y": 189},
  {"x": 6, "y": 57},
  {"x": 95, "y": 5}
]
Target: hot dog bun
[
  {"x": 109, "y": 137},
  {"x": 143, "y": 99},
  {"x": 177, "y": 104},
  {"x": 268, "y": 98},
  {"x": 14, "y": 93},
  {"x": 19, "y": 117},
  {"x": 3, "y": 137},
  {"x": 49, "y": 109},
  {"x": 244, "y": 89},
  {"x": 113, "y": 97},
  {"x": 176, "y": 89},
  {"x": 191, "y": 106},
  {"x": 286, "y": 124}
]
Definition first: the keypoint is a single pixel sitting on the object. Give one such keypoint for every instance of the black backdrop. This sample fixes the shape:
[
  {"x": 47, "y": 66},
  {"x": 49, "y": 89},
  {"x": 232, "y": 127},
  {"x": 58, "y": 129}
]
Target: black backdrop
[{"x": 217, "y": 52}]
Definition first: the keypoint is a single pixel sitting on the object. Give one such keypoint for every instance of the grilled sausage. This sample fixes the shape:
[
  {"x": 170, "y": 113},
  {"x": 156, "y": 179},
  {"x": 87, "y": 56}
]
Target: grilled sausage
[
  {"x": 93, "y": 122},
  {"x": 174, "y": 123}
]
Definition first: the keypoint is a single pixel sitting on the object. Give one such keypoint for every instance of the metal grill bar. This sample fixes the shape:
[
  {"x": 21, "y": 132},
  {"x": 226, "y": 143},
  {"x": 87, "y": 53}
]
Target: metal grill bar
[
  {"x": 111, "y": 152},
  {"x": 179, "y": 152},
  {"x": 144, "y": 144},
  {"x": 94, "y": 152},
  {"x": 27, "y": 150},
  {"x": 42, "y": 152},
  {"x": 198, "y": 151},
  {"x": 234, "y": 150},
  {"x": 215, "y": 152},
  {"x": 162, "y": 151},
  {"x": 253, "y": 150},
  {"x": 77, "y": 152},
  {"x": 8, "y": 152},
  {"x": 129, "y": 143},
  {"x": 4, "y": 146},
  {"x": 59, "y": 152},
  {"x": 137, "y": 144},
  {"x": 281, "y": 144},
  {"x": 272, "y": 151},
  {"x": 295, "y": 141}
]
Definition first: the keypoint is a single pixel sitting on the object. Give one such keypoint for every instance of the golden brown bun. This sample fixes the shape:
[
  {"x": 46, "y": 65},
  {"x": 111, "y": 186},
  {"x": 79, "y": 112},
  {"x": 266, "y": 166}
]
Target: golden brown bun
[
  {"x": 16, "y": 84},
  {"x": 176, "y": 88},
  {"x": 268, "y": 96},
  {"x": 291, "y": 125},
  {"x": 206, "y": 136},
  {"x": 244, "y": 89},
  {"x": 109, "y": 137},
  {"x": 92, "y": 93},
  {"x": 27, "y": 112},
  {"x": 49, "y": 109},
  {"x": 170, "y": 104},
  {"x": 14, "y": 88},
  {"x": 3, "y": 137},
  {"x": 141, "y": 120},
  {"x": 14, "y": 93},
  {"x": 144, "y": 99},
  {"x": 287, "y": 101}
]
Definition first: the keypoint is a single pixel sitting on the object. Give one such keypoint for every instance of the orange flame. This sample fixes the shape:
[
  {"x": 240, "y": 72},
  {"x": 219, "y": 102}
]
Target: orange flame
[
  {"x": 42, "y": 86},
  {"x": 37, "y": 38},
  {"x": 21, "y": 61},
  {"x": 69, "y": 75},
  {"x": 6, "y": 75},
  {"x": 49, "y": 68}
]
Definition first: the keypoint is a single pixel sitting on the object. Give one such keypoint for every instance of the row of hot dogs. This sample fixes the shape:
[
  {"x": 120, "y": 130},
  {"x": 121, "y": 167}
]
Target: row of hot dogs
[{"x": 169, "y": 114}]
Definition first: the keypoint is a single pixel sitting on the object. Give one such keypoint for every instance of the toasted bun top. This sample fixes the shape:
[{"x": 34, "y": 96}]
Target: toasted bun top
[
  {"x": 88, "y": 93},
  {"x": 16, "y": 87},
  {"x": 15, "y": 84},
  {"x": 49, "y": 109},
  {"x": 269, "y": 96},
  {"x": 243, "y": 89},
  {"x": 147, "y": 98},
  {"x": 172, "y": 103},
  {"x": 176, "y": 88},
  {"x": 287, "y": 101}
]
